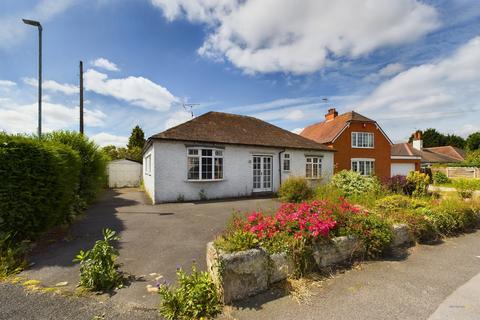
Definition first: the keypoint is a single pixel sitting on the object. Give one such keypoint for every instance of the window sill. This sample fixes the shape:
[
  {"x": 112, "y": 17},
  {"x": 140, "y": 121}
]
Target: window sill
[
  {"x": 319, "y": 178},
  {"x": 209, "y": 180},
  {"x": 363, "y": 147}
]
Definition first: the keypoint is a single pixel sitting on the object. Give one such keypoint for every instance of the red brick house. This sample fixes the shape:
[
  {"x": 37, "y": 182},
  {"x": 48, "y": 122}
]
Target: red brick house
[{"x": 360, "y": 142}]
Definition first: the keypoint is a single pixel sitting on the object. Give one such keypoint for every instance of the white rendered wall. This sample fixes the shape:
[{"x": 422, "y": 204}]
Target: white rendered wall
[
  {"x": 149, "y": 179},
  {"x": 170, "y": 171},
  {"x": 124, "y": 173}
]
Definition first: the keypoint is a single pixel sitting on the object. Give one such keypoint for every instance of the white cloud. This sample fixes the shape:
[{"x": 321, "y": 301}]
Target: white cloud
[
  {"x": 13, "y": 30},
  {"x": 297, "y": 130},
  {"x": 51, "y": 85},
  {"x": 7, "y": 84},
  {"x": 22, "y": 118},
  {"x": 443, "y": 94},
  {"x": 177, "y": 118},
  {"x": 300, "y": 36},
  {"x": 105, "y": 64},
  {"x": 138, "y": 91},
  {"x": 387, "y": 71},
  {"x": 106, "y": 139}
]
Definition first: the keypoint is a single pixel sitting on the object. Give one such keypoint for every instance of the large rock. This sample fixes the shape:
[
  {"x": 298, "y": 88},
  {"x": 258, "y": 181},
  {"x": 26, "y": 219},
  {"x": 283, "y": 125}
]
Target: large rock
[
  {"x": 401, "y": 236},
  {"x": 239, "y": 274},
  {"x": 281, "y": 267},
  {"x": 338, "y": 251}
]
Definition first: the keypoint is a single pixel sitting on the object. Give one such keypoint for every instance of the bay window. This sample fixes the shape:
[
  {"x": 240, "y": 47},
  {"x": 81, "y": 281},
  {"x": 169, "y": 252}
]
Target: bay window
[{"x": 204, "y": 164}]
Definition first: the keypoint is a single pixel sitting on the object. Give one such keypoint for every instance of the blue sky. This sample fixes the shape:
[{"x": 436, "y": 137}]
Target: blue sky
[{"x": 407, "y": 64}]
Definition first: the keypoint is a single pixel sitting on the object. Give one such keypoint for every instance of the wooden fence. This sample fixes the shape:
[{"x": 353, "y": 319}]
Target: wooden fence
[{"x": 459, "y": 172}]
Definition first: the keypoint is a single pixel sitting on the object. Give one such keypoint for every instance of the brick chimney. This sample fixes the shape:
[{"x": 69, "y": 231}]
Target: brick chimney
[
  {"x": 332, "y": 113},
  {"x": 417, "y": 140}
]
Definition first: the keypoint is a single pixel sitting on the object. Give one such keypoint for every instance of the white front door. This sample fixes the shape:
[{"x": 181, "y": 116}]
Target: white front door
[{"x": 262, "y": 173}]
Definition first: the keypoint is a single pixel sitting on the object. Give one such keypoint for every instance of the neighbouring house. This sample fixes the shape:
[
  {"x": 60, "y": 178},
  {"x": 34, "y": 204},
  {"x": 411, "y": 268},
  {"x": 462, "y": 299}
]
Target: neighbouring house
[
  {"x": 361, "y": 144},
  {"x": 219, "y": 155},
  {"x": 427, "y": 156}
]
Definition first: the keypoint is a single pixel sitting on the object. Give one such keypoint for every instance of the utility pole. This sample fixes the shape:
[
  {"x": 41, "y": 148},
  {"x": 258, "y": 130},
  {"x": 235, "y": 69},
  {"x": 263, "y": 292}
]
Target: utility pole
[{"x": 81, "y": 97}]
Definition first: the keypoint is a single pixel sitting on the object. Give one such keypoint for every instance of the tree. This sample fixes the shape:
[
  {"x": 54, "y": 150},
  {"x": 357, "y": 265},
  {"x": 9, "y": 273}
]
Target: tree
[
  {"x": 473, "y": 141},
  {"x": 111, "y": 151},
  {"x": 455, "y": 141},
  {"x": 137, "y": 138},
  {"x": 432, "y": 138}
]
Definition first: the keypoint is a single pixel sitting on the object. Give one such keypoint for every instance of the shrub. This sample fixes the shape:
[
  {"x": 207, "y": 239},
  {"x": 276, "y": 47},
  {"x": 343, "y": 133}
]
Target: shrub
[
  {"x": 12, "y": 256},
  {"x": 420, "y": 181},
  {"x": 440, "y": 178},
  {"x": 38, "y": 184},
  {"x": 465, "y": 187},
  {"x": 238, "y": 240},
  {"x": 375, "y": 232},
  {"x": 196, "y": 297},
  {"x": 352, "y": 183},
  {"x": 93, "y": 162},
  {"x": 295, "y": 189},
  {"x": 397, "y": 184},
  {"x": 98, "y": 270}
]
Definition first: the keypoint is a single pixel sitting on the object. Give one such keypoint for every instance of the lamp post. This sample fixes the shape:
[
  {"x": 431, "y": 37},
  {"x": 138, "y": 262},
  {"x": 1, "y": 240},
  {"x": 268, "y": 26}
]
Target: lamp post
[{"x": 39, "y": 26}]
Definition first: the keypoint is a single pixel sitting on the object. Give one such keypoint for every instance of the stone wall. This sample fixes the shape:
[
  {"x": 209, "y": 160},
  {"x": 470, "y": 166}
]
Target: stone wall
[{"x": 246, "y": 273}]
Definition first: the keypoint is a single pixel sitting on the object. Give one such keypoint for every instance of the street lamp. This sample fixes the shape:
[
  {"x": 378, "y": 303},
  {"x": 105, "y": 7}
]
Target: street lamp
[{"x": 39, "y": 26}]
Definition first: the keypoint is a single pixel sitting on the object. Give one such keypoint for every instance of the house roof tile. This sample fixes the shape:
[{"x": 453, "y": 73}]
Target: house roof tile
[
  {"x": 219, "y": 127},
  {"x": 446, "y": 154},
  {"x": 327, "y": 131}
]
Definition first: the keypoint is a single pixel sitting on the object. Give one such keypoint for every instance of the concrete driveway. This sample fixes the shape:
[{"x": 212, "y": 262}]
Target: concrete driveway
[{"x": 154, "y": 239}]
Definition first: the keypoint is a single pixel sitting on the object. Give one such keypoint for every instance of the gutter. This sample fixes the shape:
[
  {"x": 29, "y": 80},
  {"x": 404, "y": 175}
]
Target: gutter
[{"x": 280, "y": 166}]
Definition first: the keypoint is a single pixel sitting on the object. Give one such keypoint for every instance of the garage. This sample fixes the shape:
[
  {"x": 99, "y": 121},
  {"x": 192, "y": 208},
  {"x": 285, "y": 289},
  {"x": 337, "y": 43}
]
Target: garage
[
  {"x": 402, "y": 169},
  {"x": 124, "y": 173}
]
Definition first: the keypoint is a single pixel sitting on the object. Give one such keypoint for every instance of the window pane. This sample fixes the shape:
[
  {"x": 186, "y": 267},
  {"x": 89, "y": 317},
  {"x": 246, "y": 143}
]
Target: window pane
[
  {"x": 207, "y": 167},
  {"x": 315, "y": 171},
  {"x": 192, "y": 152},
  {"x": 286, "y": 165},
  {"x": 219, "y": 153},
  {"x": 206, "y": 152},
  {"x": 361, "y": 165},
  {"x": 193, "y": 168},
  {"x": 354, "y": 139},
  {"x": 308, "y": 170},
  {"x": 287, "y": 155},
  {"x": 218, "y": 168},
  {"x": 355, "y": 166}
]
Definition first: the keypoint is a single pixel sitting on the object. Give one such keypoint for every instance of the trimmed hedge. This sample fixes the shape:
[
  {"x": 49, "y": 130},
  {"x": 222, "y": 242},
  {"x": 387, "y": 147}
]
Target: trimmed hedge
[
  {"x": 93, "y": 175},
  {"x": 44, "y": 183},
  {"x": 38, "y": 186}
]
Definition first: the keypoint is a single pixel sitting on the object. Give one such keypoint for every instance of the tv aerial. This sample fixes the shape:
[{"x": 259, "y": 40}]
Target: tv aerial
[{"x": 189, "y": 107}]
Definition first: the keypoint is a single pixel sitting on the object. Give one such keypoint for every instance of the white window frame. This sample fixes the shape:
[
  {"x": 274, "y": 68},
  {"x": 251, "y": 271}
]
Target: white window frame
[
  {"x": 148, "y": 164},
  {"x": 363, "y": 140},
  {"x": 216, "y": 154},
  {"x": 287, "y": 160},
  {"x": 310, "y": 162},
  {"x": 357, "y": 163}
]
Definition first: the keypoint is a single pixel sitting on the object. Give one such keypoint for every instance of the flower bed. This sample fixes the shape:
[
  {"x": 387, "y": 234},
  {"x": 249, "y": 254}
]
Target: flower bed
[
  {"x": 258, "y": 250},
  {"x": 249, "y": 272}
]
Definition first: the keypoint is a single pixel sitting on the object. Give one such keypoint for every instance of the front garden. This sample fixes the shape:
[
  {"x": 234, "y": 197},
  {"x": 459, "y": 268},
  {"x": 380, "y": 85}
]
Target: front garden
[{"x": 352, "y": 217}]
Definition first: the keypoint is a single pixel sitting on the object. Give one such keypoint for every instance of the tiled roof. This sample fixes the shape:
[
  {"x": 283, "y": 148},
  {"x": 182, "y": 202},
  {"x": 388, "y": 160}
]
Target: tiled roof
[
  {"x": 446, "y": 154},
  {"x": 450, "y": 151},
  {"x": 326, "y": 131},
  {"x": 219, "y": 127}
]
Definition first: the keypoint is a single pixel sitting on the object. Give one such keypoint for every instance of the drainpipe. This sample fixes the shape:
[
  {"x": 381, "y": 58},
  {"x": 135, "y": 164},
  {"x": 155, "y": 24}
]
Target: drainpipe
[{"x": 280, "y": 167}]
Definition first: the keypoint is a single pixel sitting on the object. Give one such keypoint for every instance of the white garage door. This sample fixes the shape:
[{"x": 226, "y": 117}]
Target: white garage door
[{"x": 402, "y": 168}]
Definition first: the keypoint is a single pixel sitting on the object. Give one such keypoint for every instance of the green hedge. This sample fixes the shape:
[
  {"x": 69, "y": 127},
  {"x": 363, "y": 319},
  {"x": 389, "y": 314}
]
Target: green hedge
[
  {"x": 38, "y": 186},
  {"x": 93, "y": 162},
  {"x": 44, "y": 183}
]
